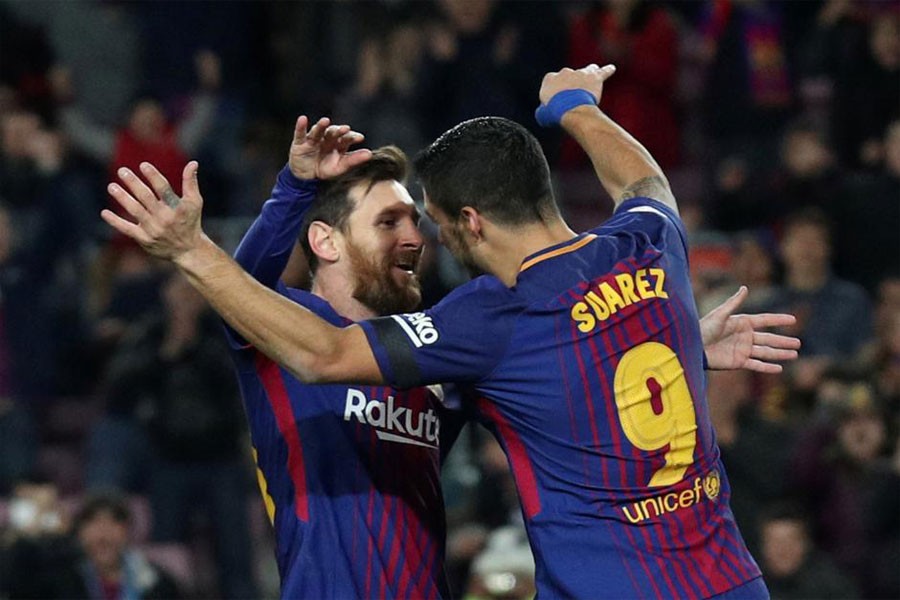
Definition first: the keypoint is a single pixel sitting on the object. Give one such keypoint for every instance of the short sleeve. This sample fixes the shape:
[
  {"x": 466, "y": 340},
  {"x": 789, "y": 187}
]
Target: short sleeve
[
  {"x": 653, "y": 218},
  {"x": 460, "y": 340}
]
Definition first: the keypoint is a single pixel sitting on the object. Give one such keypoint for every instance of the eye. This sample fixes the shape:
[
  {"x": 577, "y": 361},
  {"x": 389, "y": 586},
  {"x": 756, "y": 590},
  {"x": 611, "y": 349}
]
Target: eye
[{"x": 389, "y": 222}]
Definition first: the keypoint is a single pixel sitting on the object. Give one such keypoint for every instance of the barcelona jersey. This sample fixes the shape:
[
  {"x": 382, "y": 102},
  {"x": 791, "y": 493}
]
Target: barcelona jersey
[
  {"x": 589, "y": 371},
  {"x": 349, "y": 474}
]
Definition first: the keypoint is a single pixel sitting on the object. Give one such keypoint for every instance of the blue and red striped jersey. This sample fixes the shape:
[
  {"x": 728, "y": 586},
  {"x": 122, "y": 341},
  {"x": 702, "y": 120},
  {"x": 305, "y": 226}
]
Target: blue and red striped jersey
[
  {"x": 350, "y": 475},
  {"x": 589, "y": 371}
]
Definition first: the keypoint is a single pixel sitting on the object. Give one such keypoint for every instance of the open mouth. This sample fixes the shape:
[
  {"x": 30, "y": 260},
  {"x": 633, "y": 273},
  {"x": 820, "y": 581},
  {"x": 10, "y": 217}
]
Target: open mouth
[{"x": 407, "y": 264}]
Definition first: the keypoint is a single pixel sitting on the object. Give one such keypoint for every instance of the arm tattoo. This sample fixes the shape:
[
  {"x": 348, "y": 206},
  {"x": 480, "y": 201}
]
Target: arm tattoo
[
  {"x": 171, "y": 198},
  {"x": 649, "y": 187}
]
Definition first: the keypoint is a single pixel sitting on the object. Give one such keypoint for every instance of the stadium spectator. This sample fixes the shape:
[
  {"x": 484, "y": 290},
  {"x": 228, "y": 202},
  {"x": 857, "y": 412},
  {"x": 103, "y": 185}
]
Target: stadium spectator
[
  {"x": 867, "y": 246},
  {"x": 754, "y": 450},
  {"x": 147, "y": 132},
  {"x": 33, "y": 246},
  {"x": 110, "y": 568},
  {"x": 382, "y": 100},
  {"x": 834, "y": 316},
  {"x": 170, "y": 383},
  {"x": 641, "y": 39},
  {"x": 35, "y": 551},
  {"x": 866, "y": 95},
  {"x": 479, "y": 61},
  {"x": 839, "y": 466},
  {"x": 793, "y": 567},
  {"x": 748, "y": 90}
]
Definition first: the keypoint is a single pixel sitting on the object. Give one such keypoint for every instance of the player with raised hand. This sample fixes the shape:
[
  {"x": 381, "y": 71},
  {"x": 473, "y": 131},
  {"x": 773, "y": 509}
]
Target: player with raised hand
[{"x": 584, "y": 350}]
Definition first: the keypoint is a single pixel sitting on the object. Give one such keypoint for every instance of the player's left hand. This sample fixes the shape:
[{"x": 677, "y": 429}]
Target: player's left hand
[
  {"x": 589, "y": 78},
  {"x": 323, "y": 151},
  {"x": 737, "y": 342}
]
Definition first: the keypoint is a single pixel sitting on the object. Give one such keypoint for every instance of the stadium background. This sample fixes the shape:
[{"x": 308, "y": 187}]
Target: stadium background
[{"x": 773, "y": 121}]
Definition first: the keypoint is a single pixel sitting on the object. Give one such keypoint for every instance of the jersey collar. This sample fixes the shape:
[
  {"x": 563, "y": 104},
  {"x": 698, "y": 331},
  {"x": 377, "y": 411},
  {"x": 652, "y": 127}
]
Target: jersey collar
[{"x": 572, "y": 245}]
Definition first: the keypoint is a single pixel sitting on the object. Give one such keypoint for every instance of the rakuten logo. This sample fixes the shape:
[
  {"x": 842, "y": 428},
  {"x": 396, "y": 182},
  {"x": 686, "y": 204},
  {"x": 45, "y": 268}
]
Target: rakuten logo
[
  {"x": 418, "y": 327},
  {"x": 393, "y": 424}
]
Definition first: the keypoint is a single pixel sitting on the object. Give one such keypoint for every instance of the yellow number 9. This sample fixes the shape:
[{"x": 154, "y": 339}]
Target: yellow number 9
[{"x": 656, "y": 409}]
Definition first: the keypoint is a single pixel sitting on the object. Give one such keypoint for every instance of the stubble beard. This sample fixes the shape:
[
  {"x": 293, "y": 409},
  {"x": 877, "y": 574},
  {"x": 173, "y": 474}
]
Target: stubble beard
[{"x": 378, "y": 289}]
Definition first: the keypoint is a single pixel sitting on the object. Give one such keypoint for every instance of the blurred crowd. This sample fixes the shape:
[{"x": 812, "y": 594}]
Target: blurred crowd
[{"x": 122, "y": 442}]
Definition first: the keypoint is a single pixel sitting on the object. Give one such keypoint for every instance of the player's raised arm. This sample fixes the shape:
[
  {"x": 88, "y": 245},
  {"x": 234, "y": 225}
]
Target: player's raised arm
[
  {"x": 169, "y": 227},
  {"x": 569, "y": 97}
]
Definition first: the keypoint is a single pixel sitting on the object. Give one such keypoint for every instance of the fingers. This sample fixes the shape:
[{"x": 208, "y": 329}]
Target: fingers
[
  {"x": 357, "y": 157},
  {"x": 317, "y": 132},
  {"x": 770, "y": 353},
  {"x": 300, "y": 129},
  {"x": 348, "y": 139},
  {"x": 775, "y": 340},
  {"x": 771, "y": 320},
  {"x": 734, "y": 301},
  {"x": 160, "y": 185},
  {"x": 139, "y": 191},
  {"x": 189, "y": 185},
  {"x": 128, "y": 202},
  {"x": 759, "y": 366},
  {"x": 124, "y": 227}
]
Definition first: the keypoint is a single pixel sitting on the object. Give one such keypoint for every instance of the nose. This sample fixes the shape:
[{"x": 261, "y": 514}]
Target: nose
[{"x": 410, "y": 237}]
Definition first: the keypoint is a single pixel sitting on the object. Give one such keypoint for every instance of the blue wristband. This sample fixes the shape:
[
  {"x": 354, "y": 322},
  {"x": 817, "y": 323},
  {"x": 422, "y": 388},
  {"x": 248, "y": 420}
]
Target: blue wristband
[{"x": 562, "y": 102}]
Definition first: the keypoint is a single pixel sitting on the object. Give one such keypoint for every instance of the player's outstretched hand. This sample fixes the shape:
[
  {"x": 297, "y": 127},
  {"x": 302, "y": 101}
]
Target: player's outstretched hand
[
  {"x": 323, "y": 151},
  {"x": 737, "y": 342},
  {"x": 589, "y": 78},
  {"x": 165, "y": 225}
]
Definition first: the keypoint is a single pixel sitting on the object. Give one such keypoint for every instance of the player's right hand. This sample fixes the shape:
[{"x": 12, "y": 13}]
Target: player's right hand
[
  {"x": 165, "y": 225},
  {"x": 589, "y": 78},
  {"x": 323, "y": 151}
]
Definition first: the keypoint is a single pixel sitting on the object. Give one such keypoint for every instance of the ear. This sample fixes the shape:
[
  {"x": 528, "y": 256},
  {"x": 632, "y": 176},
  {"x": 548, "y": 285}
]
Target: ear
[
  {"x": 322, "y": 241},
  {"x": 472, "y": 222}
]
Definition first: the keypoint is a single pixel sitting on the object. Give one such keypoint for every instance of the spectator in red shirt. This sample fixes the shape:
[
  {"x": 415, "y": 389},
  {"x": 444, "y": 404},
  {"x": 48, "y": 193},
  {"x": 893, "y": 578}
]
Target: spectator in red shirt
[{"x": 641, "y": 39}]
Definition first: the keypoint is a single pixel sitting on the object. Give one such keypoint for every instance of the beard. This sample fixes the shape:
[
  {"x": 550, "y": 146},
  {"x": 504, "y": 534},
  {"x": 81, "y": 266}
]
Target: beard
[
  {"x": 456, "y": 245},
  {"x": 377, "y": 286}
]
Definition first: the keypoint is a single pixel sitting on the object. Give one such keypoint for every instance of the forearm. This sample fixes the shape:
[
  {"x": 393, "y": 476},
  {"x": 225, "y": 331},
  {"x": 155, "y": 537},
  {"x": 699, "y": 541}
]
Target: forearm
[
  {"x": 90, "y": 138},
  {"x": 282, "y": 330},
  {"x": 195, "y": 127},
  {"x": 266, "y": 247},
  {"x": 624, "y": 166}
]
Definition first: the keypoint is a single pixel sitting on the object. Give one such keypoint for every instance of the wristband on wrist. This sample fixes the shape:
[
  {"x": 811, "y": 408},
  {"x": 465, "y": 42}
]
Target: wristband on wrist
[{"x": 551, "y": 114}]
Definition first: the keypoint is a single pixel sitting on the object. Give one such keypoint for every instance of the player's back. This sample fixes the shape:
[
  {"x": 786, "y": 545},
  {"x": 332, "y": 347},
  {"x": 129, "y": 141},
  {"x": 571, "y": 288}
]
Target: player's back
[
  {"x": 350, "y": 478},
  {"x": 600, "y": 402}
]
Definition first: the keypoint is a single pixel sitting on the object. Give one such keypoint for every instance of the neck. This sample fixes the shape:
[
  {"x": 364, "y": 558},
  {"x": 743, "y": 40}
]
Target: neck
[
  {"x": 337, "y": 290},
  {"x": 807, "y": 280},
  {"x": 512, "y": 246}
]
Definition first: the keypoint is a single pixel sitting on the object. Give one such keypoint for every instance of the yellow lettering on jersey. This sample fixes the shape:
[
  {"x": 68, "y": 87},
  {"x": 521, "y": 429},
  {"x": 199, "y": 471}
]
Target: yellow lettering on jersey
[
  {"x": 660, "y": 281},
  {"x": 626, "y": 286},
  {"x": 599, "y": 306},
  {"x": 613, "y": 299},
  {"x": 604, "y": 300},
  {"x": 586, "y": 321},
  {"x": 643, "y": 286}
]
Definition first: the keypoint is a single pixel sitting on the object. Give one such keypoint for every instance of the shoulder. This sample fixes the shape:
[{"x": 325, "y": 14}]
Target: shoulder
[{"x": 485, "y": 293}]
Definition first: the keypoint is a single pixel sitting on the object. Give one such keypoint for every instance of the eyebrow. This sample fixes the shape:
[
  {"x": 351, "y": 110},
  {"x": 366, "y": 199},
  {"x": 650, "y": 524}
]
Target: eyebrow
[{"x": 394, "y": 211}]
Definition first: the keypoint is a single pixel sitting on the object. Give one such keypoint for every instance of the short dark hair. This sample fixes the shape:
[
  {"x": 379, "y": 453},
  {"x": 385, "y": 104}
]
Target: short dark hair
[
  {"x": 333, "y": 204},
  {"x": 96, "y": 503},
  {"x": 786, "y": 509},
  {"x": 492, "y": 164}
]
